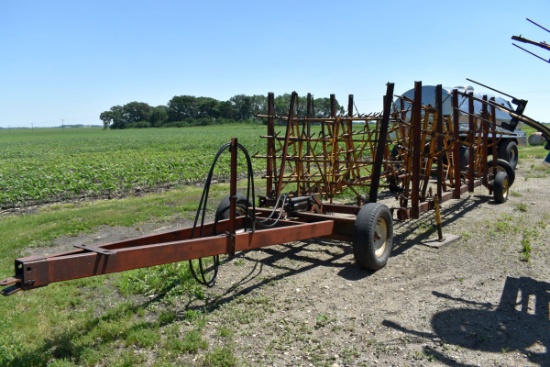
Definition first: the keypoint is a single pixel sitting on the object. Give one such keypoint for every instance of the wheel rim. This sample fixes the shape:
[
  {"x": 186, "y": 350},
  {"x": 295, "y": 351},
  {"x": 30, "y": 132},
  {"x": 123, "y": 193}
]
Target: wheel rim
[
  {"x": 502, "y": 169},
  {"x": 505, "y": 188},
  {"x": 380, "y": 237},
  {"x": 512, "y": 157}
]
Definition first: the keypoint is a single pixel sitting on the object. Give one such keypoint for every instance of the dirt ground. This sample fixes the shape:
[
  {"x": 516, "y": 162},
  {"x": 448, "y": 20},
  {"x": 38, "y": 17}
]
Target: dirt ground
[{"x": 474, "y": 302}]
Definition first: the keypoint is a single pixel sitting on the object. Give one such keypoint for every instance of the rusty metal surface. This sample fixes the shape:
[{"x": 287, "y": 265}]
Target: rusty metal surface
[
  {"x": 231, "y": 245},
  {"x": 326, "y": 155},
  {"x": 34, "y": 272}
]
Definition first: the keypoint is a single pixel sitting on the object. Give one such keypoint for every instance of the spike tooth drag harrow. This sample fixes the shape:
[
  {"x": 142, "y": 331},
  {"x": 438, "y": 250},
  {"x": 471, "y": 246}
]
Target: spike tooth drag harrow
[{"x": 412, "y": 151}]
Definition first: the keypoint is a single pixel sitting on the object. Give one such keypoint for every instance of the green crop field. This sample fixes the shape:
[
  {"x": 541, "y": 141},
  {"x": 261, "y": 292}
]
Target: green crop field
[
  {"x": 52, "y": 165},
  {"x": 55, "y": 165}
]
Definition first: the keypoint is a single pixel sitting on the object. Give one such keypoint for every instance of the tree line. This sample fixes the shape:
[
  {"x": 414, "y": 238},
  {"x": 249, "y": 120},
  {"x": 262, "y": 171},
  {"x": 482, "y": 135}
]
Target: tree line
[{"x": 189, "y": 110}]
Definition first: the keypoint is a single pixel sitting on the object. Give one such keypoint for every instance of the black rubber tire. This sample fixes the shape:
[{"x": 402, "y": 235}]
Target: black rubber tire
[
  {"x": 394, "y": 183},
  {"x": 222, "y": 212},
  {"x": 503, "y": 165},
  {"x": 500, "y": 187},
  {"x": 508, "y": 150},
  {"x": 464, "y": 157},
  {"x": 373, "y": 236},
  {"x": 395, "y": 155}
]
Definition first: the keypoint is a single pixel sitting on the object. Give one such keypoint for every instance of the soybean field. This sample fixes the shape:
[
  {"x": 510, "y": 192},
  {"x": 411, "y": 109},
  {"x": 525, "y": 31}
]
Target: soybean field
[{"x": 54, "y": 165}]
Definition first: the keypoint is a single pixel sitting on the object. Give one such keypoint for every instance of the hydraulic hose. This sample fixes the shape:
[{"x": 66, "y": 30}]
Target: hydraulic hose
[{"x": 200, "y": 276}]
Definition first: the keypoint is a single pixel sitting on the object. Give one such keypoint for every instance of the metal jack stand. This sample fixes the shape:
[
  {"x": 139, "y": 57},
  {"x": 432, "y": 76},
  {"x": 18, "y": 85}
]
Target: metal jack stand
[{"x": 441, "y": 240}]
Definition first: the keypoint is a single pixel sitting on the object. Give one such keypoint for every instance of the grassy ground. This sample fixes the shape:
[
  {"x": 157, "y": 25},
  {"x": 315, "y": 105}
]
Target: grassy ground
[{"x": 99, "y": 321}]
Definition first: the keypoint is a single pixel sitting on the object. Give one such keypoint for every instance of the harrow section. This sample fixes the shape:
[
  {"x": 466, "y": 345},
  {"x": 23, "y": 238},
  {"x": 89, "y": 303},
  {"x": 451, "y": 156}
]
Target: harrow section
[
  {"x": 410, "y": 149},
  {"x": 324, "y": 155}
]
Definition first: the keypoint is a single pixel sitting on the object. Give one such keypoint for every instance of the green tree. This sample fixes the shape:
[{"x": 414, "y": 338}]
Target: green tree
[
  {"x": 186, "y": 110},
  {"x": 282, "y": 104},
  {"x": 207, "y": 107},
  {"x": 258, "y": 104},
  {"x": 322, "y": 107},
  {"x": 159, "y": 116},
  {"x": 107, "y": 118},
  {"x": 226, "y": 110},
  {"x": 136, "y": 112},
  {"x": 242, "y": 107},
  {"x": 113, "y": 118},
  {"x": 181, "y": 108}
]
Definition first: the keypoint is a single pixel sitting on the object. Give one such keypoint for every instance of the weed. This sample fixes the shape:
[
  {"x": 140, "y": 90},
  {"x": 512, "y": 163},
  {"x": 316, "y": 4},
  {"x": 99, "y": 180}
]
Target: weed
[
  {"x": 61, "y": 363},
  {"x": 168, "y": 280},
  {"x": 424, "y": 355},
  {"x": 225, "y": 332},
  {"x": 191, "y": 342},
  {"x": 166, "y": 317},
  {"x": 321, "y": 321},
  {"x": 129, "y": 358},
  {"x": 143, "y": 336},
  {"x": 239, "y": 262},
  {"x": 196, "y": 317},
  {"x": 522, "y": 207},
  {"x": 502, "y": 226},
  {"x": 378, "y": 347},
  {"x": 220, "y": 357},
  {"x": 305, "y": 329},
  {"x": 91, "y": 357},
  {"x": 525, "y": 253},
  {"x": 349, "y": 354},
  {"x": 424, "y": 227}
]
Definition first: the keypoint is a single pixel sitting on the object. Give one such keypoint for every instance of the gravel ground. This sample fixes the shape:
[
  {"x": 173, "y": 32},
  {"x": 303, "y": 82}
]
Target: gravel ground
[{"x": 474, "y": 302}]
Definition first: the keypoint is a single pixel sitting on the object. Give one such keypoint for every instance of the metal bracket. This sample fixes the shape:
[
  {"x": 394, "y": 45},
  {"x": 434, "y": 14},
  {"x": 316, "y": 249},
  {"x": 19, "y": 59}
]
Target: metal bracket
[{"x": 99, "y": 250}]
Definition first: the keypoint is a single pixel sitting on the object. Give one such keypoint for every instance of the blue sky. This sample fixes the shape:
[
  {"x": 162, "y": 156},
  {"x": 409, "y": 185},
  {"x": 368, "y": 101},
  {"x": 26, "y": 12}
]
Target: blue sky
[{"x": 68, "y": 61}]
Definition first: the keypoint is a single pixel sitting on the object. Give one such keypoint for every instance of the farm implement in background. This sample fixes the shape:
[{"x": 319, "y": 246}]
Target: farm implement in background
[
  {"x": 411, "y": 151},
  {"x": 543, "y": 45}
]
